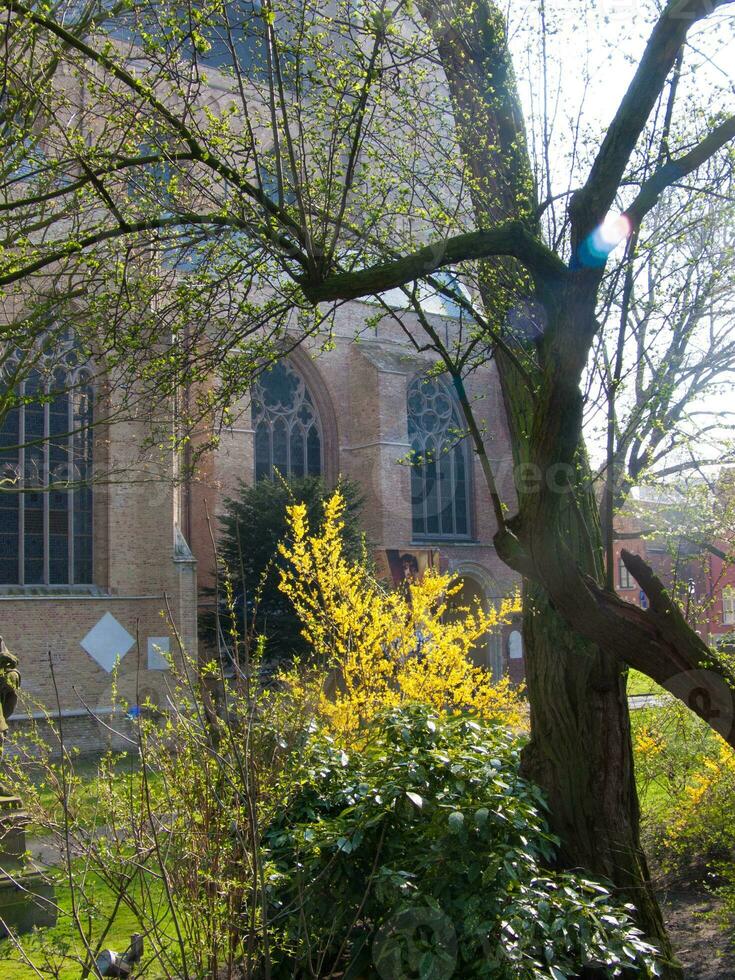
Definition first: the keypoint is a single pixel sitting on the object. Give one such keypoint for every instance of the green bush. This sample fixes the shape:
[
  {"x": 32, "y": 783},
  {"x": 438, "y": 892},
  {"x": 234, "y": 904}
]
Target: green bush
[
  {"x": 423, "y": 854},
  {"x": 253, "y": 524},
  {"x": 686, "y": 781}
]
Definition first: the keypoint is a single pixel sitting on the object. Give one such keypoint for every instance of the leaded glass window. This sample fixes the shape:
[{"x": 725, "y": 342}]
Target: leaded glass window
[
  {"x": 288, "y": 435},
  {"x": 439, "y": 463},
  {"x": 45, "y": 473}
]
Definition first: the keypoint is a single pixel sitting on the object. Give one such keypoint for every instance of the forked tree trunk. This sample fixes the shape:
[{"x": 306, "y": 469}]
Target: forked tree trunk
[
  {"x": 580, "y": 755},
  {"x": 580, "y": 750}
]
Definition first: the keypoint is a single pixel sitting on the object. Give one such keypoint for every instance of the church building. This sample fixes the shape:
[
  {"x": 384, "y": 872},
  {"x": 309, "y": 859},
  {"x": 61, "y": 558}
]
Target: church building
[
  {"x": 108, "y": 570},
  {"x": 103, "y": 559}
]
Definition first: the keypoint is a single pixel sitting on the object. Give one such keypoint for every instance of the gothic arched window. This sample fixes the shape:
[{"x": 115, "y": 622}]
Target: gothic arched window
[
  {"x": 440, "y": 499},
  {"x": 45, "y": 472},
  {"x": 288, "y": 436}
]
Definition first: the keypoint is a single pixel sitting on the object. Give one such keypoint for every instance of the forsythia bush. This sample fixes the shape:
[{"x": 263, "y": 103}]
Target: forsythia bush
[
  {"x": 671, "y": 746},
  {"x": 384, "y": 648},
  {"x": 686, "y": 779},
  {"x": 705, "y": 816}
]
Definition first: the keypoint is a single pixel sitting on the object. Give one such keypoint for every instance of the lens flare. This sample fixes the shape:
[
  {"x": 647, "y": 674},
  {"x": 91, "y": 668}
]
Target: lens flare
[{"x": 596, "y": 247}]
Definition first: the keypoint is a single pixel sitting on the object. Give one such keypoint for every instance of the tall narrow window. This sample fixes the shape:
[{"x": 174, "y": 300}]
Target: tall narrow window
[
  {"x": 728, "y": 606},
  {"x": 288, "y": 436},
  {"x": 624, "y": 577},
  {"x": 45, "y": 473},
  {"x": 440, "y": 499}
]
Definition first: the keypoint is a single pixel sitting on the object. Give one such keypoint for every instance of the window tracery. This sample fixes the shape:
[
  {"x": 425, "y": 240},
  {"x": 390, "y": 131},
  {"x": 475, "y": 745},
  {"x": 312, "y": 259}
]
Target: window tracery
[
  {"x": 439, "y": 463},
  {"x": 288, "y": 433},
  {"x": 46, "y": 451}
]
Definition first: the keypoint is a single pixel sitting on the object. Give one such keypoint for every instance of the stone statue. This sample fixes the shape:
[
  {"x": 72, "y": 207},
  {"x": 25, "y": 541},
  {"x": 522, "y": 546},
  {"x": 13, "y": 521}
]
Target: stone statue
[{"x": 9, "y": 686}]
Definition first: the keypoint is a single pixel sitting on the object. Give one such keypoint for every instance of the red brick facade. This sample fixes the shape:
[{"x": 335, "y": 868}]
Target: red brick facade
[{"x": 695, "y": 572}]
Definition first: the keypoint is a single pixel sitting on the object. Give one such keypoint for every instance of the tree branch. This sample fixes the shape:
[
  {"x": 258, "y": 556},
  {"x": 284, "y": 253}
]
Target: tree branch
[
  {"x": 145, "y": 91},
  {"x": 511, "y": 239},
  {"x": 657, "y": 641},
  {"x": 591, "y": 204},
  {"x": 117, "y": 165},
  {"x": 674, "y": 170},
  {"x": 76, "y": 245},
  {"x": 645, "y": 532}
]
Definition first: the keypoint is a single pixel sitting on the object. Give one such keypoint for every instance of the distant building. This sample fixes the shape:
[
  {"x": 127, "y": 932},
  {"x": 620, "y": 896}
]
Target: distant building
[{"x": 699, "y": 572}]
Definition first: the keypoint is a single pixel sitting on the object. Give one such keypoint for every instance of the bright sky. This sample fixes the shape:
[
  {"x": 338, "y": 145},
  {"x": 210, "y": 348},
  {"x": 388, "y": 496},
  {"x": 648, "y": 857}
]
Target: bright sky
[{"x": 592, "y": 52}]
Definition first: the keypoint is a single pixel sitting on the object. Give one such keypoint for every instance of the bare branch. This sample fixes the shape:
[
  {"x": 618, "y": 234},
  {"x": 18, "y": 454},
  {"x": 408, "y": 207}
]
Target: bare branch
[
  {"x": 145, "y": 91},
  {"x": 680, "y": 167},
  {"x": 592, "y": 203}
]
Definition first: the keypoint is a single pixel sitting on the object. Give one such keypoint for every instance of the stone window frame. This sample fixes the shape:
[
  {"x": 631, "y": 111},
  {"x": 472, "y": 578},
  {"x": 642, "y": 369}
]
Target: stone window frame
[
  {"x": 304, "y": 416},
  {"x": 78, "y": 382}
]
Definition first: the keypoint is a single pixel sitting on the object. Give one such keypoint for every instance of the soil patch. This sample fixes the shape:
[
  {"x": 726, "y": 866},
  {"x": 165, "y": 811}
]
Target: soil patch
[{"x": 705, "y": 951}]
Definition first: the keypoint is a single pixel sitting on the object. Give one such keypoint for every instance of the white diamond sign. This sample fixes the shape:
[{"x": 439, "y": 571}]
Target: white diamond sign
[{"x": 107, "y": 641}]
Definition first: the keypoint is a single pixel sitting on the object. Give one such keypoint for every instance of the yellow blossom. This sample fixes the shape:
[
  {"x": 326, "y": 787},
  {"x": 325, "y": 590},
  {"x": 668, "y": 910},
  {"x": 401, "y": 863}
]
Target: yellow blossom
[{"x": 376, "y": 648}]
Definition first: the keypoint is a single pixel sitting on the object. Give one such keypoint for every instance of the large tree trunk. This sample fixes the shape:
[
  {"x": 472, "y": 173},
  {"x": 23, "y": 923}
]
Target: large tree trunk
[
  {"x": 580, "y": 755},
  {"x": 580, "y": 750}
]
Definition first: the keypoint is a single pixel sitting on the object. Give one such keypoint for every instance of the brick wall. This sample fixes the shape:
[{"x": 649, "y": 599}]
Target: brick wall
[
  {"x": 360, "y": 389},
  {"x": 143, "y": 571},
  {"x": 144, "y": 579}
]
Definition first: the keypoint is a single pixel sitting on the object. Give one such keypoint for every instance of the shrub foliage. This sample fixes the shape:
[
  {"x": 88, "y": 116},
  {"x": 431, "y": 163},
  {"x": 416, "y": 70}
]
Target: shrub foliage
[
  {"x": 384, "y": 647},
  {"x": 253, "y": 524},
  {"x": 365, "y": 817},
  {"x": 423, "y": 853}
]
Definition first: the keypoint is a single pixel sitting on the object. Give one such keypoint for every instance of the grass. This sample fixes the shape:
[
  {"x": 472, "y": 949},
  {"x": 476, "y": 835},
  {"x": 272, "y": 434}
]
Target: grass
[
  {"x": 85, "y": 774},
  {"x": 59, "y": 950},
  {"x": 640, "y": 685},
  {"x": 672, "y": 746}
]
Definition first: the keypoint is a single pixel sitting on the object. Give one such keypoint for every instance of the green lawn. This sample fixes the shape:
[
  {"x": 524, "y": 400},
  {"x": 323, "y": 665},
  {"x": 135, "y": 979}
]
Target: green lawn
[
  {"x": 57, "y": 951},
  {"x": 639, "y": 684},
  {"x": 86, "y": 770},
  {"x": 86, "y": 789}
]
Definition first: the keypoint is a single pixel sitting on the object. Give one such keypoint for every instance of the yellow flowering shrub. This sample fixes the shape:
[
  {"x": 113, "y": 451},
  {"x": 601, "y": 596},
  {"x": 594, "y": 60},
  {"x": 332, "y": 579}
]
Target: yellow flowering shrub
[
  {"x": 377, "y": 648},
  {"x": 704, "y": 822},
  {"x": 648, "y": 744},
  {"x": 686, "y": 781}
]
